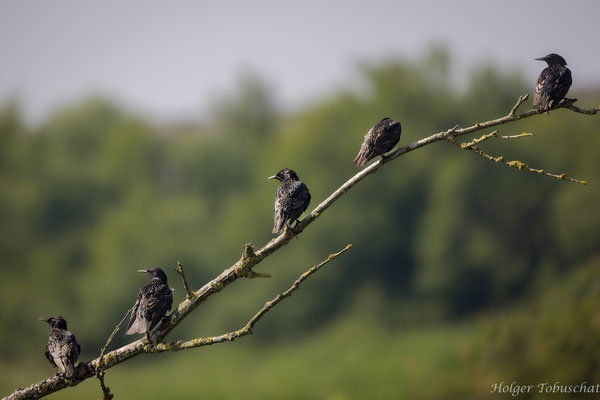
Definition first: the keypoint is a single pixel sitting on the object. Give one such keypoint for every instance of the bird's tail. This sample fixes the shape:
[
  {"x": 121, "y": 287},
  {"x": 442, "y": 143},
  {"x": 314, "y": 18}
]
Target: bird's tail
[
  {"x": 66, "y": 366},
  {"x": 138, "y": 326},
  {"x": 278, "y": 223},
  {"x": 361, "y": 159}
]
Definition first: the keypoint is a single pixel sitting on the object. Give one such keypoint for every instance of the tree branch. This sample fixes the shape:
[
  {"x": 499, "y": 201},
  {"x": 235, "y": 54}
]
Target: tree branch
[
  {"x": 521, "y": 166},
  {"x": 189, "y": 294},
  {"x": 568, "y": 103},
  {"x": 493, "y": 134},
  {"x": 231, "y": 274},
  {"x": 106, "y": 395},
  {"x": 247, "y": 329}
]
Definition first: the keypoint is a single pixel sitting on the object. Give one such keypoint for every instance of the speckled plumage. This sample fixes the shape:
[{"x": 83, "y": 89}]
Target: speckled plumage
[
  {"x": 62, "y": 349},
  {"x": 153, "y": 302},
  {"x": 379, "y": 140},
  {"x": 553, "y": 83},
  {"x": 291, "y": 199}
]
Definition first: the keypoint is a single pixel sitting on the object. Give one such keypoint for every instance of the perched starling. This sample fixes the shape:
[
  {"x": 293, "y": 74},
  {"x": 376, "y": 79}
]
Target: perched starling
[
  {"x": 291, "y": 200},
  {"x": 553, "y": 82},
  {"x": 153, "y": 302},
  {"x": 379, "y": 140},
  {"x": 62, "y": 349}
]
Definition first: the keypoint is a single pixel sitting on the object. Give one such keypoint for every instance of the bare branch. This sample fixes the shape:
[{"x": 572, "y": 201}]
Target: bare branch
[
  {"x": 106, "y": 395},
  {"x": 520, "y": 135},
  {"x": 189, "y": 294},
  {"x": 519, "y": 102},
  {"x": 568, "y": 103},
  {"x": 474, "y": 141},
  {"x": 521, "y": 166},
  {"x": 245, "y": 264},
  {"x": 486, "y": 137}
]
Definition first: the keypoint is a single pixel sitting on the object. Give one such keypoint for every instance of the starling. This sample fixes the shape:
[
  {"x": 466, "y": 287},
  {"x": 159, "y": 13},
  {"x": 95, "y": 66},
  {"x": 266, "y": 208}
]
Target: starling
[
  {"x": 379, "y": 140},
  {"x": 553, "y": 83},
  {"x": 291, "y": 200},
  {"x": 153, "y": 302},
  {"x": 62, "y": 349}
]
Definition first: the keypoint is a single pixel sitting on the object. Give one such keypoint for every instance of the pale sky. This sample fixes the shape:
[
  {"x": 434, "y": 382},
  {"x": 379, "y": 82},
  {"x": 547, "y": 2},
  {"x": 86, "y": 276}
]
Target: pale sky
[{"x": 170, "y": 59}]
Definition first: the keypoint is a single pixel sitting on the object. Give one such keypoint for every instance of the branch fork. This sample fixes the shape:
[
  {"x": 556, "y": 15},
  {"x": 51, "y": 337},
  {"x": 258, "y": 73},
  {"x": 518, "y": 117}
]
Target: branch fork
[{"x": 247, "y": 262}]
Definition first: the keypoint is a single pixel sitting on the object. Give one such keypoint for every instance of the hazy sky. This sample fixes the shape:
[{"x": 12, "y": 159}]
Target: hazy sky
[{"x": 170, "y": 59}]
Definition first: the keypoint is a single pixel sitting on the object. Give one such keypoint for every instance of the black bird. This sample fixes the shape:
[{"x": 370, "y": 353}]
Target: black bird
[
  {"x": 153, "y": 302},
  {"x": 553, "y": 83},
  {"x": 379, "y": 140},
  {"x": 291, "y": 200},
  {"x": 62, "y": 349}
]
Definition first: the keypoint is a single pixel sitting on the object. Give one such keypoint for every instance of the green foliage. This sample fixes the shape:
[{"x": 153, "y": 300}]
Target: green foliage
[
  {"x": 95, "y": 193},
  {"x": 554, "y": 337}
]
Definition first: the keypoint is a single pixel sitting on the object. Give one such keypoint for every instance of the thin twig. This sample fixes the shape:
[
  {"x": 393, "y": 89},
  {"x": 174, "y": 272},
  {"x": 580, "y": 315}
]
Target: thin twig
[
  {"x": 568, "y": 103},
  {"x": 229, "y": 275},
  {"x": 519, "y": 136},
  {"x": 106, "y": 395},
  {"x": 519, "y": 102},
  {"x": 475, "y": 141},
  {"x": 521, "y": 166},
  {"x": 189, "y": 294},
  {"x": 493, "y": 134}
]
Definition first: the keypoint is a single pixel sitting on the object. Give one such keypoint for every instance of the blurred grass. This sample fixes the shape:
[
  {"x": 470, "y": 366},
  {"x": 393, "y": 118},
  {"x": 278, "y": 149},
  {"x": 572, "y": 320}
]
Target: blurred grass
[
  {"x": 348, "y": 360},
  {"x": 358, "y": 356}
]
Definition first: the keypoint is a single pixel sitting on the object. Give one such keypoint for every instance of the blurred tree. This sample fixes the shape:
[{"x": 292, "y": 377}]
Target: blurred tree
[{"x": 95, "y": 193}]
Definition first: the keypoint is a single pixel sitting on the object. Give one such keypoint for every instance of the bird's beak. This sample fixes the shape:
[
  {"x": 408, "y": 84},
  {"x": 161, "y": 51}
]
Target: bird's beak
[
  {"x": 272, "y": 177},
  {"x": 540, "y": 59},
  {"x": 143, "y": 270},
  {"x": 44, "y": 319}
]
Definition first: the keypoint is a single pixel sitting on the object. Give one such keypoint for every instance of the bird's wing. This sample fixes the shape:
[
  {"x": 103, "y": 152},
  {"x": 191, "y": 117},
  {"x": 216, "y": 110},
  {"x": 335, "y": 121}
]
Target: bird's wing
[
  {"x": 541, "y": 98},
  {"x": 73, "y": 347},
  {"x": 366, "y": 150},
  {"x": 48, "y": 354},
  {"x": 279, "y": 212},
  {"x": 385, "y": 138},
  {"x": 562, "y": 83},
  {"x": 540, "y": 83},
  {"x": 159, "y": 298},
  {"x": 299, "y": 200},
  {"x": 134, "y": 311},
  {"x": 159, "y": 304}
]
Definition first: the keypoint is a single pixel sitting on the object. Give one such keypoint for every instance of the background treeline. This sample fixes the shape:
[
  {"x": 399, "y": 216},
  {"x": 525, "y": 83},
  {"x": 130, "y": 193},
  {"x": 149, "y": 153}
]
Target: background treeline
[{"x": 464, "y": 272}]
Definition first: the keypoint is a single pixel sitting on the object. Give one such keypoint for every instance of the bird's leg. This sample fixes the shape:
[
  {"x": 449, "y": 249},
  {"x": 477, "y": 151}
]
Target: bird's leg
[
  {"x": 386, "y": 157},
  {"x": 568, "y": 101},
  {"x": 293, "y": 229}
]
